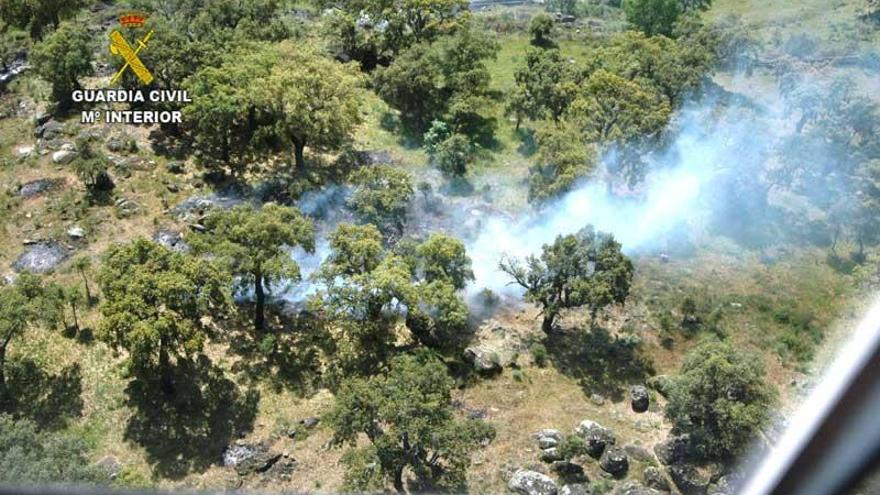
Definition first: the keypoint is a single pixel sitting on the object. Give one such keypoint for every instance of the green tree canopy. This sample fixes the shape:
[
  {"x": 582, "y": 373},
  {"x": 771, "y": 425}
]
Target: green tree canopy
[
  {"x": 671, "y": 67},
  {"x": 155, "y": 301},
  {"x": 721, "y": 398},
  {"x": 621, "y": 115},
  {"x": 653, "y": 16},
  {"x": 443, "y": 258},
  {"x": 369, "y": 292},
  {"x": 263, "y": 99},
  {"x": 228, "y": 117},
  {"x": 381, "y": 195},
  {"x": 38, "y": 15},
  {"x": 540, "y": 29},
  {"x": 254, "y": 245},
  {"x": 429, "y": 80},
  {"x": 582, "y": 269},
  {"x": 29, "y": 456},
  {"x": 317, "y": 100},
  {"x": 545, "y": 86},
  {"x": 406, "y": 414},
  {"x": 62, "y": 58},
  {"x": 27, "y": 302},
  {"x": 376, "y": 31},
  {"x": 563, "y": 158}
]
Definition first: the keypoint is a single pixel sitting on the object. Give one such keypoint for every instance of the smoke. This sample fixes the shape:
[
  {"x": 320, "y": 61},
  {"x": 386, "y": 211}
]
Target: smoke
[{"x": 705, "y": 145}]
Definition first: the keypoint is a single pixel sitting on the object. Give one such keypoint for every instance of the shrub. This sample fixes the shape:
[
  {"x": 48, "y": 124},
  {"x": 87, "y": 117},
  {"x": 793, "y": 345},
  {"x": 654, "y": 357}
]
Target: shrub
[{"x": 539, "y": 353}]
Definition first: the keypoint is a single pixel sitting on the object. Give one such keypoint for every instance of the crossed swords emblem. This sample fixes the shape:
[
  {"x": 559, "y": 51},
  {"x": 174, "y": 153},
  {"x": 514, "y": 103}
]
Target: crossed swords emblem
[{"x": 118, "y": 46}]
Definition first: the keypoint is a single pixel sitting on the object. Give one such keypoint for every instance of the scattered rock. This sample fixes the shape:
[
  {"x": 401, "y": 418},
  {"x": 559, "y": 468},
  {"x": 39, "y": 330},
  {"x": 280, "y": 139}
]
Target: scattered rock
[
  {"x": 576, "y": 489},
  {"x": 634, "y": 488},
  {"x": 688, "y": 479},
  {"x": 729, "y": 484},
  {"x": 175, "y": 167},
  {"x": 639, "y": 398},
  {"x": 110, "y": 465},
  {"x": 247, "y": 459},
  {"x": 126, "y": 207},
  {"x": 655, "y": 479},
  {"x": 548, "y": 438},
  {"x": 310, "y": 422},
  {"x": 569, "y": 471},
  {"x": 673, "y": 450},
  {"x": 125, "y": 166},
  {"x": 50, "y": 130},
  {"x": 63, "y": 157},
  {"x": 75, "y": 232},
  {"x": 171, "y": 239},
  {"x": 550, "y": 455},
  {"x": 531, "y": 483},
  {"x": 597, "y": 399},
  {"x": 41, "y": 257},
  {"x": 614, "y": 462},
  {"x": 196, "y": 207},
  {"x": 638, "y": 452},
  {"x": 483, "y": 358},
  {"x": 24, "y": 151},
  {"x": 37, "y": 187},
  {"x": 235, "y": 454},
  {"x": 596, "y": 435},
  {"x": 477, "y": 413}
]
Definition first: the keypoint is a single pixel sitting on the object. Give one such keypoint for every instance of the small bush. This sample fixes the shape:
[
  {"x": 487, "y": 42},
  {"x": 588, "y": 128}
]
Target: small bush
[{"x": 539, "y": 354}]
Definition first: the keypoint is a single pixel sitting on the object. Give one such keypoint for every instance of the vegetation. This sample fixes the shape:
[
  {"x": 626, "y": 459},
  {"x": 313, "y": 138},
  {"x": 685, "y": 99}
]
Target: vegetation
[
  {"x": 28, "y": 302},
  {"x": 270, "y": 99},
  {"x": 721, "y": 399},
  {"x": 253, "y": 245},
  {"x": 381, "y": 196},
  {"x": 63, "y": 58},
  {"x": 30, "y": 456},
  {"x": 38, "y": 16},
  {"x": 328, "y": 221},
  {"x": 154, "y": 301},
  {"x": 582, "y": 269},
  {"x": 405, "y": 413}
]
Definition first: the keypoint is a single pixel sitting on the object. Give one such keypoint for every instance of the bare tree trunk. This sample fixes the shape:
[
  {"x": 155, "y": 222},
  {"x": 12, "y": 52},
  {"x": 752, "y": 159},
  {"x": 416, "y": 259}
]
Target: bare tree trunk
[
  {"x": 75, "y": 319},
  {"x": 299, "y": 153},
  {"x": 398, "y": 480},
  {"x": 260, "y": 296},
  {"x": 167, "y": 381},
  {"x": 86, "y": 286}
]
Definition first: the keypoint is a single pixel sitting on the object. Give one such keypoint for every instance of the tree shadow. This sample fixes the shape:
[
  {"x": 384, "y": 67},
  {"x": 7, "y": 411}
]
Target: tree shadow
[
  {"x": 286, "y": 355},
  {"x": 602, "y": 363},
  {"x": 189, "y": 430},
  {"x": 170, "y": 144},
  {"x": 528, "y": 143},
  {"x": 48, "y": 400}
]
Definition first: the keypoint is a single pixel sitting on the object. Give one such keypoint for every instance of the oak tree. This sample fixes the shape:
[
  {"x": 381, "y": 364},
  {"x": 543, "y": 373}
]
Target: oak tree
[
  {"x": 254, "y": 246},
  {"x": 721, "y": 398},
  {"x": 407, "y": 416},
  {"x": 155, "y": 302},
  {"x": 585, "y": 269}
]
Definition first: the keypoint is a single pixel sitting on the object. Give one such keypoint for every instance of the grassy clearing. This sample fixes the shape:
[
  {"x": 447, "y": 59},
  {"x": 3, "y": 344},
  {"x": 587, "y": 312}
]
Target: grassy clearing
[{"x": 835, "y": 22}]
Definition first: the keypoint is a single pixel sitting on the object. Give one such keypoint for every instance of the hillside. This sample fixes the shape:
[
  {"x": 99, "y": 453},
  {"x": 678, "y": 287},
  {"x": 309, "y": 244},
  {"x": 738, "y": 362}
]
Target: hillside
[{"x": 722, "y": 157}]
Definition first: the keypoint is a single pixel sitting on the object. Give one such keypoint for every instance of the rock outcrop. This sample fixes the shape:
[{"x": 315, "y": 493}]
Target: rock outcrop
[{"x": 531, "y": 483}]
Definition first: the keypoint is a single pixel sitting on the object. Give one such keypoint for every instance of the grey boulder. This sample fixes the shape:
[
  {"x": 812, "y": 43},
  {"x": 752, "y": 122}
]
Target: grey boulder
[
  {"x": 639, "y": 398},
  {"x": 597, "y": 436},
  {"x": 531, "y": 483},
  {"x": 614, "y": 462}
]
